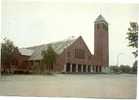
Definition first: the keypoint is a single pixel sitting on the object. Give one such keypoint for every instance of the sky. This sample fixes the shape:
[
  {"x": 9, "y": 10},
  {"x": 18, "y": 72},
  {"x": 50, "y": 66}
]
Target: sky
[{"x": 34, "y": 22}]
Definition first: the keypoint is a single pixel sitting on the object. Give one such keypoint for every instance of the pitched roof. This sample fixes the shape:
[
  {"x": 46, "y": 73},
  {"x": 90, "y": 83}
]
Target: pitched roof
[
  {"x": 57, "y": 46},
  {"x": 25, "y": 51},
  {"x": 100, "y": 18}
]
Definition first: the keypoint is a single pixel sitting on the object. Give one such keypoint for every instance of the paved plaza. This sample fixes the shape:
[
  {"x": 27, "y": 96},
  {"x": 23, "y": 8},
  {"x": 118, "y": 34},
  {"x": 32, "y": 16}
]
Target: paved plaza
[{"x": 70, "y": 85}]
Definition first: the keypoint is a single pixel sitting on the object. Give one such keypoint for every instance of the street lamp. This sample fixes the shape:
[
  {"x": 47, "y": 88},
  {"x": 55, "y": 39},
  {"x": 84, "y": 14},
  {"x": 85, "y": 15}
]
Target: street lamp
[{"x": 118, "y": 56}]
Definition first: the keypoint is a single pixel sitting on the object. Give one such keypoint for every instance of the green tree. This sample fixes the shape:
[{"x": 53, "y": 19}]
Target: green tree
[
  {"x": 49, "y": 58},
  {"x": 8, "y": 51},
  {"x": 125, "y": 68},
  {"x": 114, "y": 69},
  {"x": 134, "y": 68},
  {"x": 132, "y": 36}
]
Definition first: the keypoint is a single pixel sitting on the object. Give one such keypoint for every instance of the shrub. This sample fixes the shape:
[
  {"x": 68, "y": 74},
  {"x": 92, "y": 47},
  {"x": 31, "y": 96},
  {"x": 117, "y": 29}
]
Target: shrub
[{"x": 114, "y": 69}]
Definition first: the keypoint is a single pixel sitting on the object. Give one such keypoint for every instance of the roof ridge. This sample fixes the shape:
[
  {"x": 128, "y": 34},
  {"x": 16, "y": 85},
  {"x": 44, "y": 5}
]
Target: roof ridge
[
  {"x": 58, "y": 46},
  {"x": 69, "y": 39}
]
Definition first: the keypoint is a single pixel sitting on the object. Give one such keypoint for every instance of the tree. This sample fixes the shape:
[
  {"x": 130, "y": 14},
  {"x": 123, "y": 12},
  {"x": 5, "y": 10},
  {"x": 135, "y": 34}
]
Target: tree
[
  {"x": 132, "y": 36},
  {"x": 134, "y": 68},
  {"x": 114, "y": 69},
  {"x": 49, "y": 58},
  {"x": 8, "y": 51},
  {"x": 125, "y": 68}
]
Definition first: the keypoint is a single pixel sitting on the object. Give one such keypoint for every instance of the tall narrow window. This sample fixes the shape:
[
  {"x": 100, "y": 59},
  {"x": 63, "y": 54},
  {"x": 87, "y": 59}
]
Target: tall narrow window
[
  {"x": 97, "y": 26},
  {"x": 68, "y": 54},
  {"x": 105, "y": 27},
  {"x": 79, "y": 53}
]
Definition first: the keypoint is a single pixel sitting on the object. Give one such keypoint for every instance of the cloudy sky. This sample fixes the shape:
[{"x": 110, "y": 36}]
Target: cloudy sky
[{"x": 34, "y": 22}]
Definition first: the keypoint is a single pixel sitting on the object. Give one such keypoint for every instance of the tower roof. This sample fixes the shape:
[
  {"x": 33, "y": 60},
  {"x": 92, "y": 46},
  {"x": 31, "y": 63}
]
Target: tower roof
[{"x": 100, "y": 18}]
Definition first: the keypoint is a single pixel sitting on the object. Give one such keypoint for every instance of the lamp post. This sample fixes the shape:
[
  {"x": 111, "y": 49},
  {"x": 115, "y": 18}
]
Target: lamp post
[{"x": 118, "y": 56}]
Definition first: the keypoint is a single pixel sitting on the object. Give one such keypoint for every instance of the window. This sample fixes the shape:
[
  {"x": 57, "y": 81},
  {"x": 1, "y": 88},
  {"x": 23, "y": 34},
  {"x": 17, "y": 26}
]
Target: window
[
  {"x": 68, "y": 54},
  {"x": 97, "y": 26},
  {"x": 105, "y": 27},
  {"x": 79, "y": 53}
]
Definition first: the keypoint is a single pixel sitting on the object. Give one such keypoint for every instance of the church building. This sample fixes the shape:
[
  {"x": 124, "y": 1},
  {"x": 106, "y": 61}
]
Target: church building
[{"x": 73, "y": 54}]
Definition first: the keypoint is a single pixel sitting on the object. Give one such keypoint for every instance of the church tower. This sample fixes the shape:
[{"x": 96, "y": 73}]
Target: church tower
[{"x": 101, "y": 41}]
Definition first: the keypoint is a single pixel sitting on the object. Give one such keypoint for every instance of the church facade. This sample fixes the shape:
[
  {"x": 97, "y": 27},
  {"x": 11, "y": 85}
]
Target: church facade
[{"x": 73, "y": 54}]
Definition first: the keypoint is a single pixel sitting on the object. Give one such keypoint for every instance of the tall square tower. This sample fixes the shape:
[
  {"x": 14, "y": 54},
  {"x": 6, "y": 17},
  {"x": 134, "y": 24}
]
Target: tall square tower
[{"x": 101, "y": 41}]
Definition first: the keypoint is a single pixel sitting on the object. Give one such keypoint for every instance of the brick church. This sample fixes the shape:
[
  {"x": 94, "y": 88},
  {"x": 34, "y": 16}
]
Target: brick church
[{"x": 73, "y": 54}]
